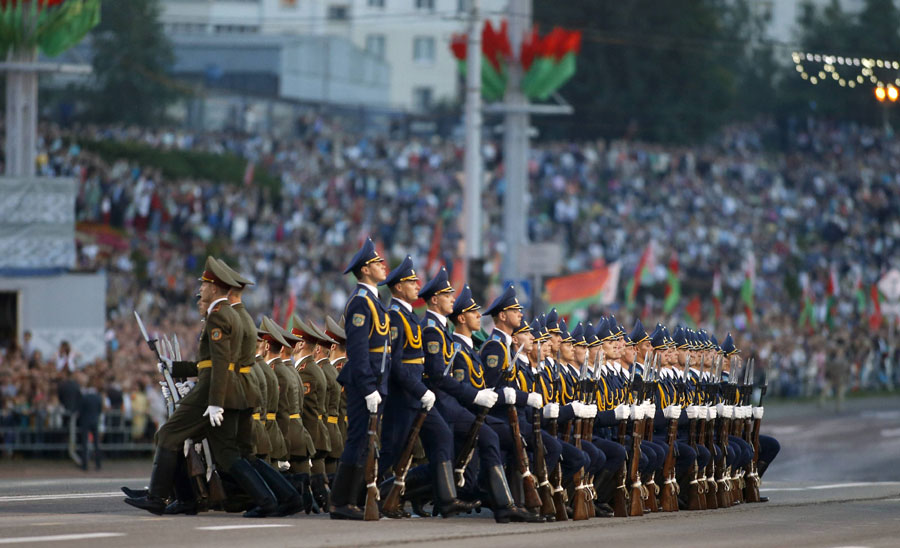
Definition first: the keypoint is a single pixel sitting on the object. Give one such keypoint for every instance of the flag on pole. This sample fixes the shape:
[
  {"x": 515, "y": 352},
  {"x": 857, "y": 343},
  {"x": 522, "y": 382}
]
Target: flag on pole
[
  {"x": 830, "y": 303},
  {"x": 673, "y": 286},
  {"x": 645, "y": 265},
  {"x": 807, "y": 315},
  {"x": 579, "y": 291},
  {"x": 860, "y": 293},
  {"x": 291, "y": 304},
  {"x": 747, "y": 288}
]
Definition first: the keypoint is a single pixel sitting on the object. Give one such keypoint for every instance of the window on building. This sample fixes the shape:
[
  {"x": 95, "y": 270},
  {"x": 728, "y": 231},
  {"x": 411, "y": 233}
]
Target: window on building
[
  {"x": 422, "y": 98},
  {"x": 463, "y": 6},
  {"x": 425, "y": 4},
  {"x": 338, "y": 13},
  {"x": 375, "y": 45},
  {"x": 376, "y": 3},
  {"x": 423, "y": 49}
]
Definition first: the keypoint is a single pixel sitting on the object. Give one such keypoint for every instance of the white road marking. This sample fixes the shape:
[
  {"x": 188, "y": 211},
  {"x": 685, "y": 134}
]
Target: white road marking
[
  {"x": 783, "y": 430},
  {"x": 833, "y": 486},
  {"x": 58, "y": 538},
  {"x": 36, "y": 498},
  {"x": 232, "y": 527},
  {"x": 890, "y": 432}
]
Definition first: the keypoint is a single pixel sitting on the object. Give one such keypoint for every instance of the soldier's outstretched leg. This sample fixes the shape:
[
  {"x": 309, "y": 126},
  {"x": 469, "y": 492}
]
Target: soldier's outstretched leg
[
  {"x": 504, "y": 508},
  {"x": 446, "y": 504},
  {"x": 256, "y": 488},
  {"x": 348, "y": 480},
  {"x": 161, "y": 478}
]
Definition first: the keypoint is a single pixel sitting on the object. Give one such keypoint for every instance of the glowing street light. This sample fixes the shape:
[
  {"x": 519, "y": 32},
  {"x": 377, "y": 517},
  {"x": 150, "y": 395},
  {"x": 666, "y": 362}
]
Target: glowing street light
[{"x": 880, "y": 94}]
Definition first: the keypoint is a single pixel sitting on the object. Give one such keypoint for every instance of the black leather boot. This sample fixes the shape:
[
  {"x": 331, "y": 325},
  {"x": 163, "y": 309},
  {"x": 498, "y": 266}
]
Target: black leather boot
[
  {"x": 348, "y": 480},
  {"x": 134, "y": 493},
  {"x": 760, "y": 470},
  {"x": 256, "y": 488},
  {"x": 319, "y": 485},
  {"x": 289, "y": 500},
  {"x": 161, "y": 479},
  {"x": 505, "y": 510},
  {"x": 446, "y": 504}
]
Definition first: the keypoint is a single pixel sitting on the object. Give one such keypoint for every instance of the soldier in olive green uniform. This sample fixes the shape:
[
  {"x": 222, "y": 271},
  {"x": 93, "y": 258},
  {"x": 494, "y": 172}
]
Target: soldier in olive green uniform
[
  {"x": 278, "y": 451},
  {"x": 262, "y": 442},
  {"x": 288, "y": 498},
  {"x": 333, "y": 408},
  {"x": 315, "y": 394},
  {"x": 338, "y": 359},
  {"x": 210, "y": 409}
]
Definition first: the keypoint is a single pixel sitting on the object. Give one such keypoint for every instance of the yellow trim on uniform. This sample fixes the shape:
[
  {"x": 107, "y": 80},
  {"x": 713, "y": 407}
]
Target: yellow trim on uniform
[
  {"x": 270, "y": 416},
  {"x": 475, "y": 377},
  {"x": 205, "y": 364},
  {"x": 332, "y": 419},
  {"x": 380, "y": 349},
  {"x": 414, "y": 361},
  {"x": 414, "y": 342},
  {"x": 377, "y": 326},
  {"x": 294, "y": 416},
  {"x": 245, "y": 370},
  {"x": 257, "y": 417}
]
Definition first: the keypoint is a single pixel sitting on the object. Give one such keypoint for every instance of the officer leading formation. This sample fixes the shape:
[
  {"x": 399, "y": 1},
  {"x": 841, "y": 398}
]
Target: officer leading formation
[{"x": 384, "y": 408}]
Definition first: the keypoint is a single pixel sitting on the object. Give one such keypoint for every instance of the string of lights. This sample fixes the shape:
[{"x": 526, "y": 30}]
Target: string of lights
[{"x": 850, "y": 72}]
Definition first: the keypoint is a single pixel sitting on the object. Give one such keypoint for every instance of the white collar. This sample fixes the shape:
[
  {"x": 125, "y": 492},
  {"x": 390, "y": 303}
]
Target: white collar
[
  {"x": 214, "y": 303},
  {"x": 272, "y": 360},
  {"x": 440, "y": 317},
  {"x": 465, "y": 339},
  {"x": 403, "y": 303},
  {"x": 550, "y": 360},
  {"x": 617, "y": 366},
  {"x": 507, "y": 339},
  {"x": 370, "y": 288}
]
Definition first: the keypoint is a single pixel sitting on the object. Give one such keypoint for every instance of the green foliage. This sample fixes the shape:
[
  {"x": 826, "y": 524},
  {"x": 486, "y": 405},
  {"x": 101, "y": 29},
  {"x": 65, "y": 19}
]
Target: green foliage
[
  {"x": 182, "y": 164},
  {"x": 131, "y": 59},
  {"x": 669, "y": 71}
]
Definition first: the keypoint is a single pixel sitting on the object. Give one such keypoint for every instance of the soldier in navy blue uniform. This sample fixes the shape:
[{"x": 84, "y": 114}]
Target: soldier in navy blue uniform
[
  {"x": 409, "y": 393},
  {"x": 491, "y": 453},
  {"x": 367, "y": 327}
]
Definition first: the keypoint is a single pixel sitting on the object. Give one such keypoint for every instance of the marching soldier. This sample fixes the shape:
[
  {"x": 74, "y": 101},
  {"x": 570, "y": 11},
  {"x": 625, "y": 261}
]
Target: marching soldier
[
  {"x": 210, "y": 409},
  {"x": 367, "y": 327},
  {"x": 338, "y": 357},
  {"x": 308, "y": 351}
]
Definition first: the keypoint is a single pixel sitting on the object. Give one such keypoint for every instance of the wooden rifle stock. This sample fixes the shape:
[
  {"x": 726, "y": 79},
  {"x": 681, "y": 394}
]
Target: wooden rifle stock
[
  {"x": 634, "y": 475},
  {"x": 197, "y": 472},
  {"x": 559, "y": 494},
  {"x": 751, "y": 490},
  {"x": 701, "y": 472},
  {"x": 693, "y": 490},
  {"x": 532, "y": 499},
  {"x": 371, "y": 472},
  {"x": 669, "y": 495},
  {"x": 588, "y": 434},
  {"x": 393, "y": 500},
  {"x": 723, "y": 479},
  {"x": 620, "y": 496},
  {"x": 467, "y": 450},
  {"x": 548, "y": 508},
  {"x": 581, "y": 498},
  {"x": 712, "y": 496}
]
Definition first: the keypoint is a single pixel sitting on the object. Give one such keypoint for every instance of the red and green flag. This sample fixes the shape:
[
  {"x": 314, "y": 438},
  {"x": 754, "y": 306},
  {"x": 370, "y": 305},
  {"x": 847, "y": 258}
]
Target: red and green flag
[
  {"x": 53, "y": 26},
  {"x": 495, "y": 50},
  {"x": 808, "y": 312},
  {"x": 748, "y": 287},
  {"x": 860, "y": 293},
  {"x": 876, "y": 318},
  {"x": 645, "y": 265},
  {"x": 580, "y": 291},
  {"x": 673, "y": 286}
]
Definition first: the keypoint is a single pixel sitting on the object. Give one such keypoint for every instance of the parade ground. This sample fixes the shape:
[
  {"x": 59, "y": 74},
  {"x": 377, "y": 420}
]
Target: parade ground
[{"x": 836, "y": 483}]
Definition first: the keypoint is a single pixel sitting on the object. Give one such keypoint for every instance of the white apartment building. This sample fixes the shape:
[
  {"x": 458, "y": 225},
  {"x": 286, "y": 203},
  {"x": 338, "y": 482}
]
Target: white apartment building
[{"x": 412, "y": 36}]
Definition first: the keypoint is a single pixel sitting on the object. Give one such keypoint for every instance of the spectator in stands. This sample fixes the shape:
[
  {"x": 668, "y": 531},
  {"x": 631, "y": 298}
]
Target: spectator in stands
[{"x": 89, "y": 412}]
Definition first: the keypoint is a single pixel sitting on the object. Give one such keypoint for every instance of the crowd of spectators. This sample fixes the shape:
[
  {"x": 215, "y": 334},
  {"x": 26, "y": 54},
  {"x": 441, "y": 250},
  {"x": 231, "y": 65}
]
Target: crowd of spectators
[{"x": 801, "y": 200}]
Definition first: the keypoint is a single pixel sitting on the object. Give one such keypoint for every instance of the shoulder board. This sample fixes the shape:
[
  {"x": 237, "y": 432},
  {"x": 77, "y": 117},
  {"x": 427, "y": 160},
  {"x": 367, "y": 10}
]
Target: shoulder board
[
  {"x": 217, "y": 308},
  {"x": 396, "y": 307},
  {"x": 361, "y": 292},
  {"x": 457, "y": 345},
  {"x": 496, "y": 337},
  {"x": 432, "y": 323}
]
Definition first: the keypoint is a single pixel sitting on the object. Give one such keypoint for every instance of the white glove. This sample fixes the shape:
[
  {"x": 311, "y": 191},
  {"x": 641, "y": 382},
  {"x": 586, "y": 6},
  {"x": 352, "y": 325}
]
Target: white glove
[
  {"x": 637, "y": 412},
  {"x": 711, "y": 412},
  {"x": 728, "y": 411},
  {"x": 215, "y": 414},
  {"x": 623, "y": 411},
  {"x": 590, "y": 411},
  {"x": 184, "y": 388},
  {"x": 692, "y": 411},
  {"x": 164, "y": 387},
  {"x": 758, "y": 412},
  {"x": 672, "y": 412},
  {"x": 535, "y": 400},
  {"x": 428, "y": 399},
  {"x": 577, "y": 408},
  {"x": 649, "y": 410},
  {"x": 720, "y": 409},
  {"x": 551, "y": 411},
  {"x": 284, "y": 465},
  {"x": 748, "y": 411},
  {"x": 509, "y": 395},
  {"x": 486, "y": 398},
  {"x": 165, "y": 364},
  {"x": 372, "y": 401}
]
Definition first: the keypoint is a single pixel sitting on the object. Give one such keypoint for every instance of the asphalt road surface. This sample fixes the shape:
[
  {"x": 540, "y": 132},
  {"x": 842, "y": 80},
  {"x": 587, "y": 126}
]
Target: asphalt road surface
[{"x": 835, "y": 484}]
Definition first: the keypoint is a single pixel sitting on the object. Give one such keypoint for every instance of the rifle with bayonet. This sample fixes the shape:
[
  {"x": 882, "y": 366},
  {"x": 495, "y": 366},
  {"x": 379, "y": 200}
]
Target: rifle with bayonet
[
  {"x": 701, "y": 432},
  {"x": 668, "y": 499},
  {"x": 559, "y": 493},
  {"x": 529, "y": 485},
  {"x": 751, "y": 436},
  {"x": 694, "y": 494},
  {"x": 636, "y": 507},
  {"x": 708, "y": 439},
  {"x": 581, "y": 498},
  {"x": 647, "y": 391},
  {"x": 371, "y": 471},
  {"x": 548, "y": 508},
  {"x": 754, "y": 436}
]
